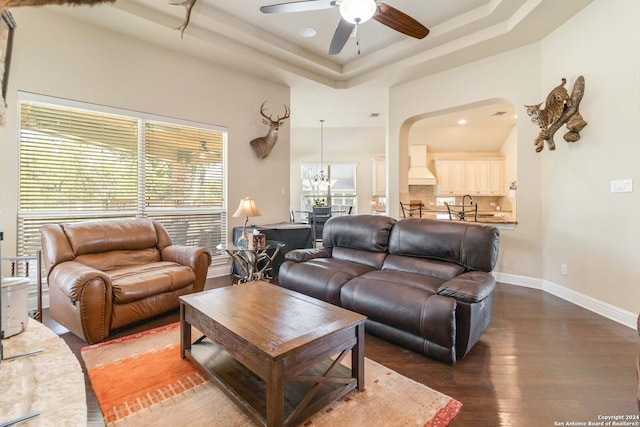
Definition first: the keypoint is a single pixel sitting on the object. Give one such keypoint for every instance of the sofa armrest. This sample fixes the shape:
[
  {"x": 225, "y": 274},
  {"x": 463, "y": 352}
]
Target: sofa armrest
[
  {"x": 80, "y": 298},
  {"x": 71, "y": 277},
  {"x": 198, "y": 258},
  {"x": 472, "y": 286},
  {"x": 187, "y": 255},
  {"x": 302, "y": 255}
]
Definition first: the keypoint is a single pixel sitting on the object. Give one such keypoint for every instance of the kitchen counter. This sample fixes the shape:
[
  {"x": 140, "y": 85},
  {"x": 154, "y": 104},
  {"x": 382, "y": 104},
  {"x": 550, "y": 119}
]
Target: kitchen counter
[{"x": 500, "y": 219}]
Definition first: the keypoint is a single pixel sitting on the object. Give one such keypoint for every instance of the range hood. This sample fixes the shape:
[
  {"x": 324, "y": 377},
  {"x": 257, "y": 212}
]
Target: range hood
[{"x": 419, "y": 174}]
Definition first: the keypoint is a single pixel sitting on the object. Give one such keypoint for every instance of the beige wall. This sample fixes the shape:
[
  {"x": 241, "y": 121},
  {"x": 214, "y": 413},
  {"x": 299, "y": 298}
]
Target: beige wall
[
  {"x": 499, "y": 77},
  {"x": 510, "y": 152},
  {"x": 566, "y": 213},
  {"x": 585, "y": 226},
  {"x": 58, "y": 56}
]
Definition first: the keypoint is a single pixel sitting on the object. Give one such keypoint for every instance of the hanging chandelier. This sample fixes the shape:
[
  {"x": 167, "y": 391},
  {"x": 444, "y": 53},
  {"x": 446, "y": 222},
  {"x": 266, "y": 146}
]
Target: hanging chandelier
[{"x": 321, "y": 178}]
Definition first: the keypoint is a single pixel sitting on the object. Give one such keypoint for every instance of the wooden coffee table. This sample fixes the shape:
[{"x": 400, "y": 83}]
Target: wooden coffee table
[{"x": 275, "y": 352}]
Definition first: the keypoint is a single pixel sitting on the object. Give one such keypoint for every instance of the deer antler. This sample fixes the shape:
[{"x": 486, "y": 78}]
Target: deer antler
[
  {"x": 262, "y": 112},
  {"x": 287, "y": 113},
  {"x": 16, "y": 3},
  {"x": 188, "y": 5}
]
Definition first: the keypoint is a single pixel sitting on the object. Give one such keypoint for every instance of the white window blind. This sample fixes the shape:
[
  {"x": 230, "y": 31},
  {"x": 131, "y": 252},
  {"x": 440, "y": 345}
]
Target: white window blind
[{"x": 83, "y": 162}]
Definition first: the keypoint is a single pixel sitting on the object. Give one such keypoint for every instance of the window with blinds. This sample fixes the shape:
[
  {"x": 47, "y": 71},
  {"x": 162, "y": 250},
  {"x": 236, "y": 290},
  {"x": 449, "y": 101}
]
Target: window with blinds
[
  {"x": 81, "y": 162},
  {"x": 337, "y": 189}
]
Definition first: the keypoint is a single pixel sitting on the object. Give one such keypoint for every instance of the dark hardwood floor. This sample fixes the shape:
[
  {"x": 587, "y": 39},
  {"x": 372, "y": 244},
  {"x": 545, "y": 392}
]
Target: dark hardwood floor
[{"x": 542, "y": 362}]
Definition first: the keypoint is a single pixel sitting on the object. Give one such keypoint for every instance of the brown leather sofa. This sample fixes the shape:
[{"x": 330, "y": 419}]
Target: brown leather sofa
[
  {"x": 424, "y": 284},
  {"x": 104, "y": 275}
]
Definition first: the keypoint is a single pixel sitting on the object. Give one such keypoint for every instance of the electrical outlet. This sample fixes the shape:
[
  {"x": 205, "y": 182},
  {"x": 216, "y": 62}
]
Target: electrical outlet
[
  {"x": 622, "y": 185},
  {"x": 564, "y": 270}
]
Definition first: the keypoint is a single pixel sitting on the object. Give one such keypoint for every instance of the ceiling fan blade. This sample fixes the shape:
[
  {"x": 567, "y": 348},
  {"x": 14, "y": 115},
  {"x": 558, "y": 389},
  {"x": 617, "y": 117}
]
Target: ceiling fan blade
[
  {"x": 399, "y": 21},
  {"x": 341, "y": 36},
  {"x": 298, "y": 6}
]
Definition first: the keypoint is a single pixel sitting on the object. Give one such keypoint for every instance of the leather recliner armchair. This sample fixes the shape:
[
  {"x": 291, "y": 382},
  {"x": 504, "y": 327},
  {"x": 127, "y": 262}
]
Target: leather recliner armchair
[{"x": 104, "y": 275}]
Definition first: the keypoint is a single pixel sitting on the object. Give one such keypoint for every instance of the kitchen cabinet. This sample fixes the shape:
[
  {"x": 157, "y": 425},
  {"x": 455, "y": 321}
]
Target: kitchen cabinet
[
  {"x": 481, "y": 177},
  {"x": 451, "y": 177},
  {"x": 379, "y": 176},
  {"x": 496, "y": 177},
  {"x": 484, "y": 177}
]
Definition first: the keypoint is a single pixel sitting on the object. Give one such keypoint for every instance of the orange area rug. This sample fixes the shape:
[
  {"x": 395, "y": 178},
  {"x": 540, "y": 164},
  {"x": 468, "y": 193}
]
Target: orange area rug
[{"x": 140, "y": 380}]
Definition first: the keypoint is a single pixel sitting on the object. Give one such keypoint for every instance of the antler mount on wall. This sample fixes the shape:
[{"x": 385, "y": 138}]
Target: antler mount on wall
[
  {"x": 188, "y": 5},
  {"x": 264, "y": 144},
  {"x": 17, "y": 3}
]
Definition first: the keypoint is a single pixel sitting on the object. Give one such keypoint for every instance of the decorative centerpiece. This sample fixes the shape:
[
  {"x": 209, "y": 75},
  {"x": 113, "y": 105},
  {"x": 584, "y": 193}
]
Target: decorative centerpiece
[{"x": 258, "y": 240}]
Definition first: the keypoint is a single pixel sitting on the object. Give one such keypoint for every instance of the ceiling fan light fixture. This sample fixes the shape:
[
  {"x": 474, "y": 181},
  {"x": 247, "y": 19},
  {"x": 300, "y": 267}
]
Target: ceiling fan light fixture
[{"x": 358, "y": 11}]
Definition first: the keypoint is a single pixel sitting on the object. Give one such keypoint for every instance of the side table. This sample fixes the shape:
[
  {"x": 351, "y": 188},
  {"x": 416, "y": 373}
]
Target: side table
[
  {"x": 254, "y": 263},
  {"x": 50, "y": 383},
  {"x": 294, "y": 236}
]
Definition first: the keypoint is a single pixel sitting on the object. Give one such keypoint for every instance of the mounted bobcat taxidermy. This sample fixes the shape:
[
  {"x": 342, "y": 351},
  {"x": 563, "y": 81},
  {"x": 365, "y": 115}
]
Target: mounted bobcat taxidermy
[
  {"x": 264, "y": 144},
  {"x": 560, "y": 108}
]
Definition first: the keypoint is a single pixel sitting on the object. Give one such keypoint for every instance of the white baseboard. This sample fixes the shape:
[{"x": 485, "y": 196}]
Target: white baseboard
[
  {"x": 512, "y": 279},
  {"x": 602, "y": 308}
]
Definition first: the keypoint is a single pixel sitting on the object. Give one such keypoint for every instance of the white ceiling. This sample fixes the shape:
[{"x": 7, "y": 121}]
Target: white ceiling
[
  {"x": 348, "y": 87},
  {"x": 485, "y": 128}
]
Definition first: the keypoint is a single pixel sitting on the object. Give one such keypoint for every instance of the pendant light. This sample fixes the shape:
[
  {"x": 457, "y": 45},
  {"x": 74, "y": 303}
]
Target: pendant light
[{"x": 322, "y": 178}]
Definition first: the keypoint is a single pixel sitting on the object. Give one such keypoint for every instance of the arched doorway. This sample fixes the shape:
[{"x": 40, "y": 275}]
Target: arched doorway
[{"x": 477, "y": 157}]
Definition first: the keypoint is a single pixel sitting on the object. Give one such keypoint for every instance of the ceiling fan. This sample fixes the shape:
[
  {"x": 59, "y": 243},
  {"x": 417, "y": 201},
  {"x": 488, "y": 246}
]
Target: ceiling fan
[{"x": 352, "y": 14}]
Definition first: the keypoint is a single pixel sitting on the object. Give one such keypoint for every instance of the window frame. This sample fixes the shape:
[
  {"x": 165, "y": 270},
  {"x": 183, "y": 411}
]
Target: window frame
[
  {"x": 331, "y": 196},
  {"x": 141, "y": 210}
]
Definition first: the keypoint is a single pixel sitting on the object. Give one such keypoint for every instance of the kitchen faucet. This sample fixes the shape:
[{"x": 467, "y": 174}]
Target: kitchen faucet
[{"x": 463, "y": 215}]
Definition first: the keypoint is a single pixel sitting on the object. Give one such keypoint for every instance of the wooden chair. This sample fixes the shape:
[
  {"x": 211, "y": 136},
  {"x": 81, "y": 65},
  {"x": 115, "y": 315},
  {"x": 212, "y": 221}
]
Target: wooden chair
[
  {"x": 319, "y": 215},
  {"x": 341, "y": 210}
]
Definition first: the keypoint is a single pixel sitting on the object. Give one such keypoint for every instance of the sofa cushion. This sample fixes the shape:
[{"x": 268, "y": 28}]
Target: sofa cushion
[
  {"x": 428, "y": 267},
  {"x": 473, "y": 246},
  {"x": 101, "y": 236},
  {"x": 364, "y": 232},
  {"x": 114, "y": 260},
  {"x": 320, "y": 278},
  {"x": 401, "y": 278},
  {"x": 142, "y": 281},
  {"x": 404, "y": 301},
  {"x": 357, "y": 256}
]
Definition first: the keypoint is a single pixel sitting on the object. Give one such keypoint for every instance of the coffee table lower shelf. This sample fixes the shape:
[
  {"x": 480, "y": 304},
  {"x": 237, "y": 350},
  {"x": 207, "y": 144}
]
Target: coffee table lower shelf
[{"x": 248, "y": 390}]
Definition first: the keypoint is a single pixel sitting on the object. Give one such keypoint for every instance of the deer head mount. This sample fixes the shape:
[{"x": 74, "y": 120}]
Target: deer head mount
[{"x": 264, "y": 144}]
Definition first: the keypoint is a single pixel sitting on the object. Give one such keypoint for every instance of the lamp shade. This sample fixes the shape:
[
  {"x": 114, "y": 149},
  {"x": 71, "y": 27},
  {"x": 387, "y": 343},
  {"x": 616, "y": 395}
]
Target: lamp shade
[
  {"x": 246, "y": 208},
  {"x": 357, "y": 11}
]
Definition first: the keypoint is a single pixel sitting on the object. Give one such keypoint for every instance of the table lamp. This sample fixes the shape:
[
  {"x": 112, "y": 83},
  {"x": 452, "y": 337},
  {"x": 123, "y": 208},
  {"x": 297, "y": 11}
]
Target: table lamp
[{"x": 246, "y": 208}]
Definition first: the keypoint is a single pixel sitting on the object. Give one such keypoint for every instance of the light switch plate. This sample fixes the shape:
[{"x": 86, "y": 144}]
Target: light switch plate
[{"x": 622, "y": 185}]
